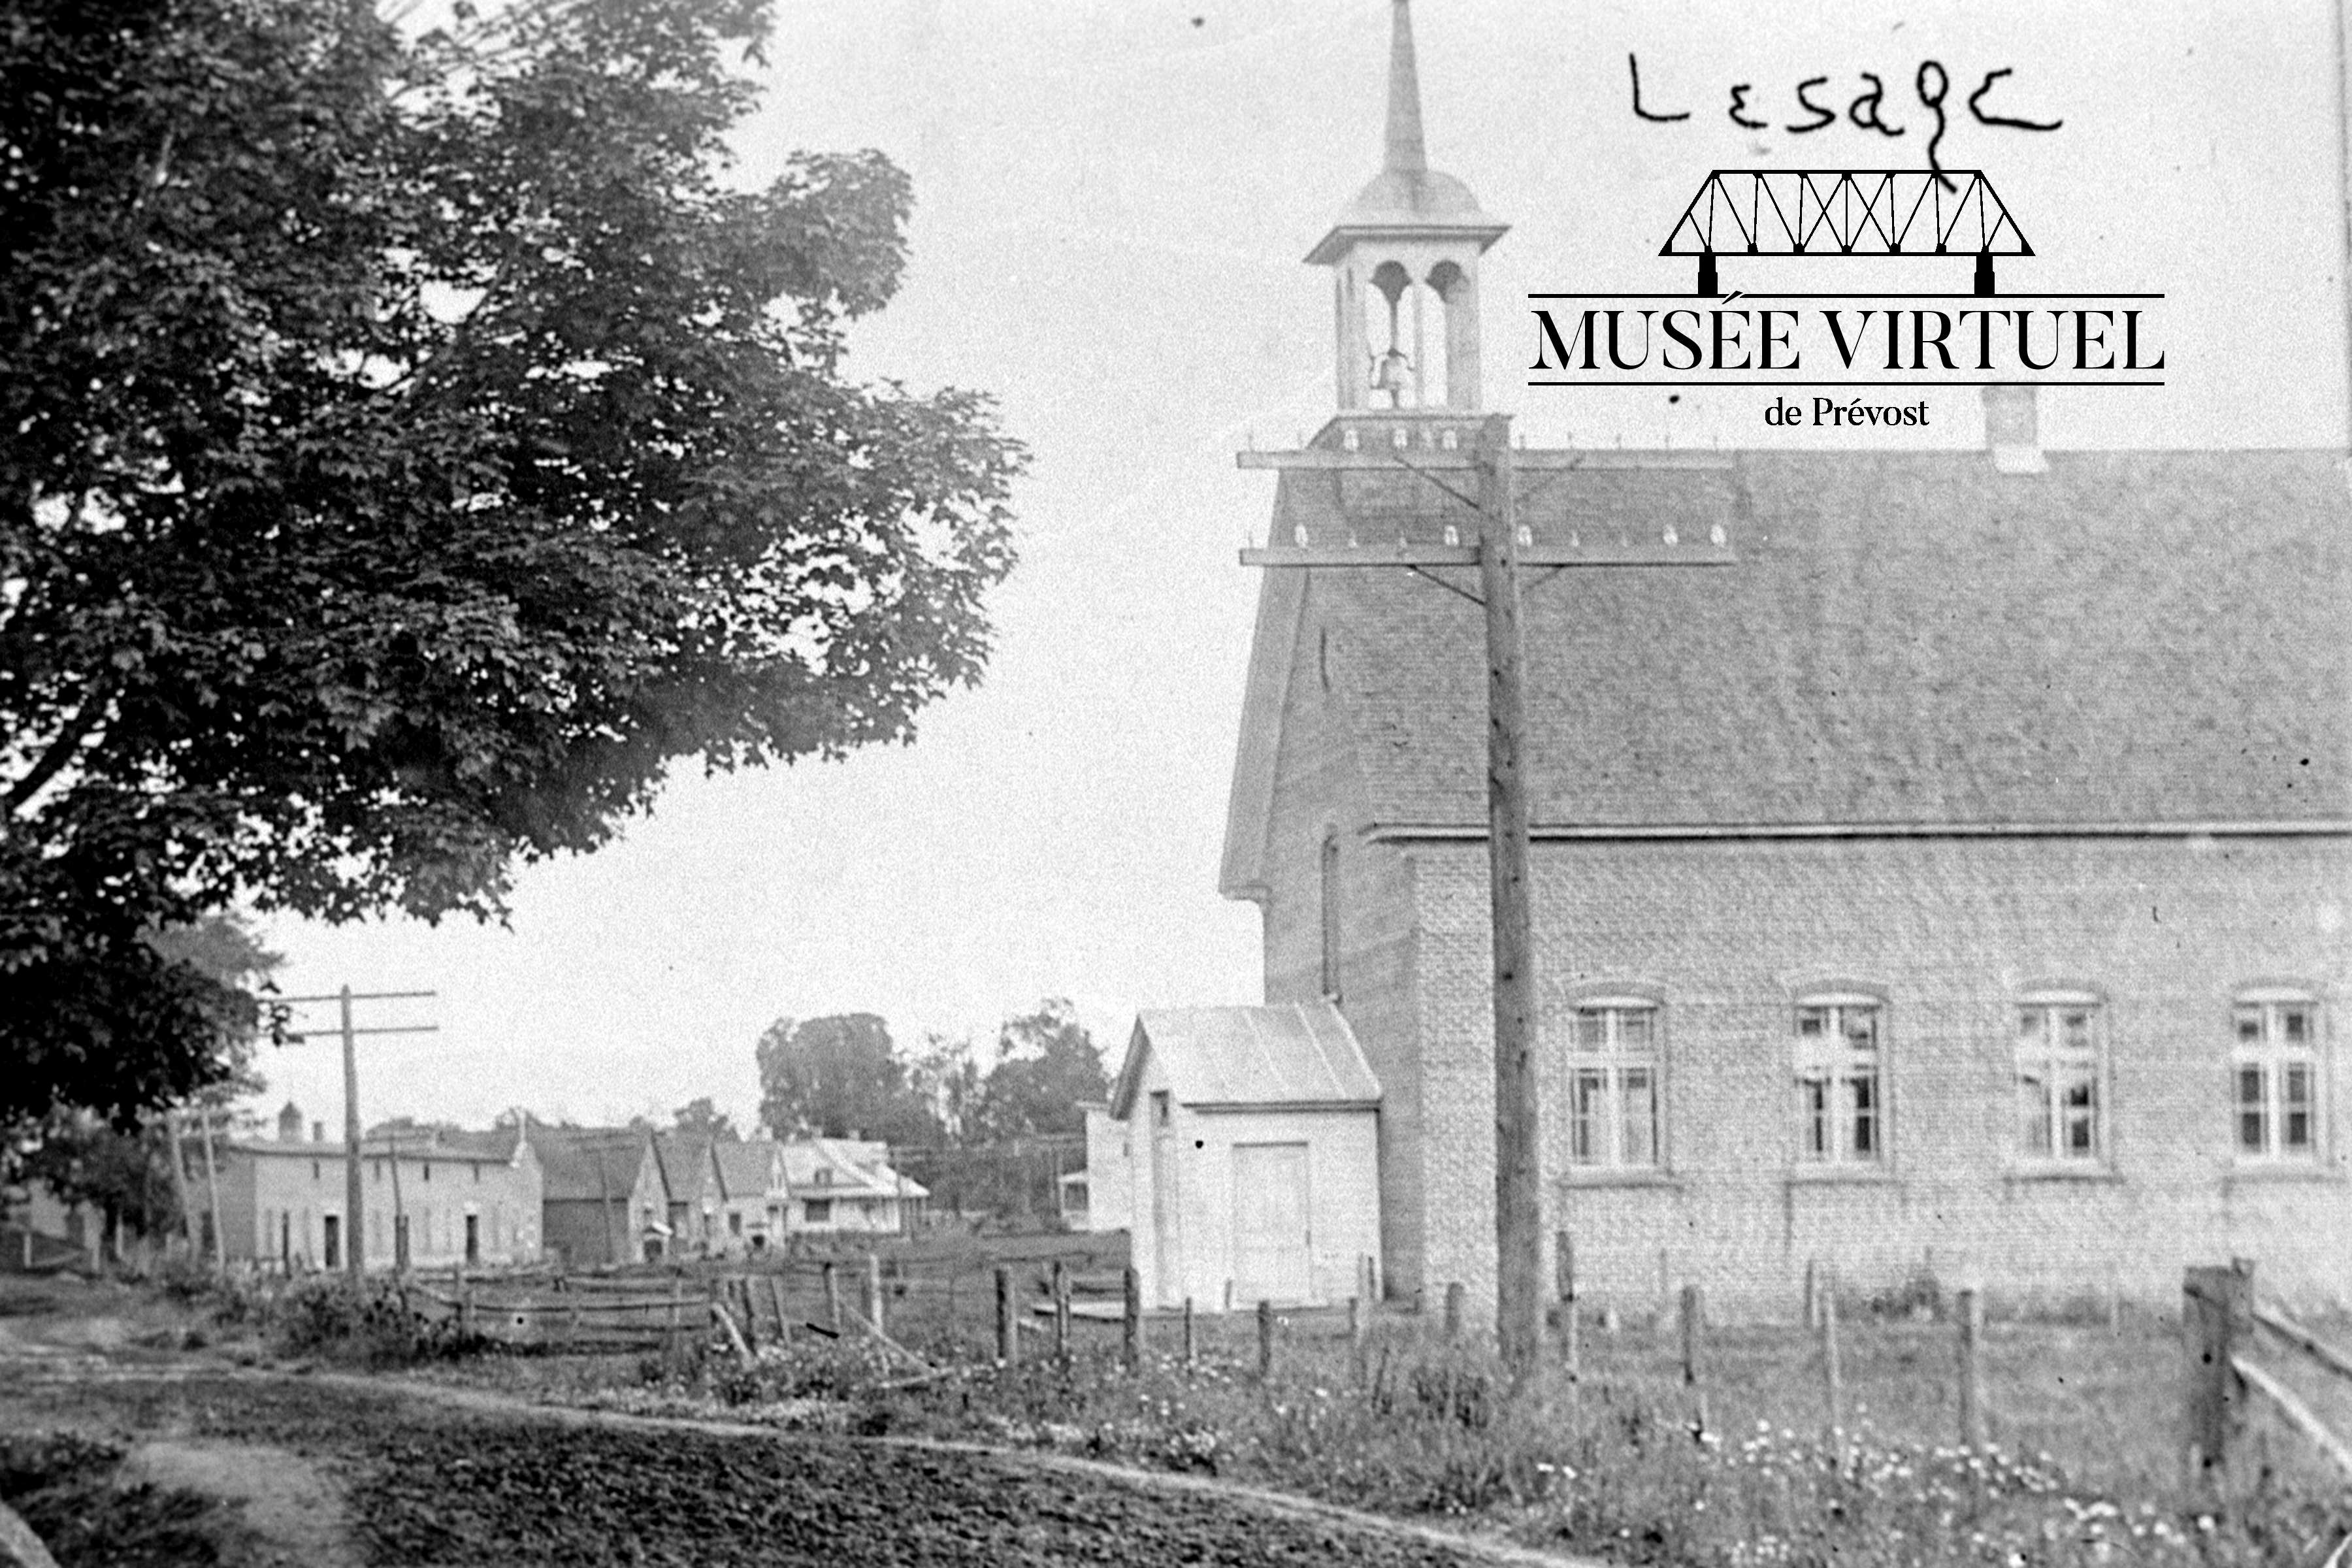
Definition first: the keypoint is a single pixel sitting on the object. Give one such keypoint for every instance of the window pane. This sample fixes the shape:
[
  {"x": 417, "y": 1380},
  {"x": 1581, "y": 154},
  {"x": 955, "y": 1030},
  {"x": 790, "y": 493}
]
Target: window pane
[
  {"x": 2033, "y": 1114},
  {"x": 2253, "y": 1119},
  {"x": 2294, "y": 1120},
  {"x": 2295, "y": 1025},
  {"x": 1591, "y": 1031},
  {"x": 1812, "y": 1021},
  {"x": 2250, "y": 1024},
  {"x": 2075, "y": 1029},
  {"x": 1814, "y": 1116},
  {"x": 2080, "y": 1109},
  {"x": 1640, "y": 1144},
  {"x": 1633, "y": 1030},
  {"x": 1861, "y": 1028},
  {"x": 1586, "y": 1102},
  {"x": 2029, "y": 1026},
  {"x": 1863, "y": 1087}
]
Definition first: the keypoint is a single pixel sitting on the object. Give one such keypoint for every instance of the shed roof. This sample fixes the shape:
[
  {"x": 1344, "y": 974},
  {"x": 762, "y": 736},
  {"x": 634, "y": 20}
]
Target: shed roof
[
  {"x": 587, "y": 1164},
  {"x": 1908, "y": 638},
  {"x": 744, "y": 1164},
  {"x": 1299, "y": 1054}
]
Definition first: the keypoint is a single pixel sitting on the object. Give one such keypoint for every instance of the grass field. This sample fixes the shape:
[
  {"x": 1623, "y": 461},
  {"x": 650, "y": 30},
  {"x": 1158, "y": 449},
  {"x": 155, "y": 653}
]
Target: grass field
[{"x": 2085, "y": 1417}]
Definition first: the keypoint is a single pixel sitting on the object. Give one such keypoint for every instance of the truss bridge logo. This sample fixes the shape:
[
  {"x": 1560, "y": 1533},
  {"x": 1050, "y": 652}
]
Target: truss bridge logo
[{"x": 1749, "y": 234}]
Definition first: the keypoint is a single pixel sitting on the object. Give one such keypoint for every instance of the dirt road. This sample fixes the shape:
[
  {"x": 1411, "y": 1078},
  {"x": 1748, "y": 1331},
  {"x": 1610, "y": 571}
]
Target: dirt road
[{"x": 331, "y": 1470}]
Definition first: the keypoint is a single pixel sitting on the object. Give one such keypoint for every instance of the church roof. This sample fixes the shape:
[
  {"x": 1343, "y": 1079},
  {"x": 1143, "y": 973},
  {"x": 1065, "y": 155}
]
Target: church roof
[
  {"x": 1301, "y": 1053},
  {"x": 1907, "y": 640}
]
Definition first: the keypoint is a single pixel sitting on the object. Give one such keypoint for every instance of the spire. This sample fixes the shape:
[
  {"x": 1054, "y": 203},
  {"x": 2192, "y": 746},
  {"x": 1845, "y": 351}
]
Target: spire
[{"x": 1405, "y": 152}]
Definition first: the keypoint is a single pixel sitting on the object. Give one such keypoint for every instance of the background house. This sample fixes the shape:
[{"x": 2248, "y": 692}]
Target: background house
[
  {"x": 1956, "y": 884},
  {"x": 432, "y": 1197},
  {"x": 845, "y": 1184},
  {"x": 753, "y": 1194},
  {"x": 604, "y": 1200},
  {"x": 690, "y": 1177}
]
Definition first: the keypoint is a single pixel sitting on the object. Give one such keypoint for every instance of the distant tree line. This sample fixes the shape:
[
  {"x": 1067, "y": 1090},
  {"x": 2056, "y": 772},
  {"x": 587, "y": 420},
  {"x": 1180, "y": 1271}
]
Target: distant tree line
[{"x": 954, "y": 1125}]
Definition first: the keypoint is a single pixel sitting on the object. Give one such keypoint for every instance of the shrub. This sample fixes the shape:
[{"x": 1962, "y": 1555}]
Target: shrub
[{"x": 365, "y": 1321}]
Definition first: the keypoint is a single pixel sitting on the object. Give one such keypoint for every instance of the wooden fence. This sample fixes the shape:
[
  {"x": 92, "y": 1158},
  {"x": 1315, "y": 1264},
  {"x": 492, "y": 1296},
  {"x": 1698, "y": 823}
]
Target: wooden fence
[
  {"x": 780, "y": 1297},
  {"x": 2220, "y": 1316}
]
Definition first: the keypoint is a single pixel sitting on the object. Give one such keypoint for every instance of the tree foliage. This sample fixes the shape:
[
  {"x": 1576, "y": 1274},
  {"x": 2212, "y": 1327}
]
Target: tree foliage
[
  {"x": 416, "y": 447},
  {"x": 702, "y": 1118},
  {"x": 838, "y": 1077},
  {"x": 1046, "y": 1067},
  {"x": 125, "y": 1171}
]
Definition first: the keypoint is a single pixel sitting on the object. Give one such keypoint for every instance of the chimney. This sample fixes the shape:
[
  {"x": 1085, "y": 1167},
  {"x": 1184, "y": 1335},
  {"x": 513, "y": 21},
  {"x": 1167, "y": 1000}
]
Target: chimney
[
  {"x": 317, "y": 1132},
  {"x": 2013, "y": 430},
  {"x": 289, "y": 1123}
]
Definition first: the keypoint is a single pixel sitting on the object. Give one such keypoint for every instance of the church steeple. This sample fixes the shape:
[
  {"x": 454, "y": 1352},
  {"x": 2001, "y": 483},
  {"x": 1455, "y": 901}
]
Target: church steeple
[
  {"x": 1405, "y": 153},
  {"x": 1407, "y": 248}
]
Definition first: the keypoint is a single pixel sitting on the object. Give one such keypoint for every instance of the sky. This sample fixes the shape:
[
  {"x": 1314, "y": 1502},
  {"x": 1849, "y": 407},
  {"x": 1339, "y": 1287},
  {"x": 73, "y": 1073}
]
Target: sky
[{"x": 1113, "y": 198}]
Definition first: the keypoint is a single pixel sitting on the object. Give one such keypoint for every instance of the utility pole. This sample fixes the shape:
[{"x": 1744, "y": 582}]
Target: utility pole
[
  {"x": 1502, "y": 548},
  {"x": 1518, "y": 1196},
  {"x": 354, "y": 1230}
]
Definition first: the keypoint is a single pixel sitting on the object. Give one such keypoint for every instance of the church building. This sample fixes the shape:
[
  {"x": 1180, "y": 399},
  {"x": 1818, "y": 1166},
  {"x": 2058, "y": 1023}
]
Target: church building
[{"x": 1953, "y": 885}]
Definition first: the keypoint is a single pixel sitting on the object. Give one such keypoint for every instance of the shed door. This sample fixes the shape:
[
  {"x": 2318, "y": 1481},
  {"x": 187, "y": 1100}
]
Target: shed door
[{"x": 1271, "y": 1229}]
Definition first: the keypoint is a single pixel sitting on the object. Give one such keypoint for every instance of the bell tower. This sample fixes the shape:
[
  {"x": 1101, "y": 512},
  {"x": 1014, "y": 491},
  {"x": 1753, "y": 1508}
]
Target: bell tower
[{"x": 1405, "y": 268}]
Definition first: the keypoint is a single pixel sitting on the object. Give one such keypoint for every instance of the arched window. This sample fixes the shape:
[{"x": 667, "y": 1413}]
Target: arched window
[
  {"x": 1613, "y": 1095},
  {"x": 1329, "y": 873},
  {"x": 2274, "y": 1075},
  {"x": 1390, "y": 336},
  {"x": 1840, "y": 1039},
  {"x": 2062, "y": 1063}
]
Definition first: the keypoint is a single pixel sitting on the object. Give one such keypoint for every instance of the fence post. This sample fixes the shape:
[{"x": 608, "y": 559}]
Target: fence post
[
  {"x": 1563, "y": 1261},
  {"x": 2216, "y": 1310},
  {"x": 1454, "y": 1311},
  {"x": 783, "y": 1322},
  {"x": 1265, "y": 1340},
  {"x": 466, "y": 1308},
  {"x": 832, "y": 1298},
  {"x": 1972, "y": 1411},
  {"x": 1132, "y": 1316},
  {"x": 874, "y": 1313},
  {"x": 1813, "y": 1293},
  {"x": 1189, "y": 1346},
  {"x": 739, "y": 1289},
  {"x": 1694, "y": 1325},
  {"x": 1833, "y": 1374},
  {"x": 1008, "y": 1333},
  {"x": 1061, "y": 1311},
  {"x": 677, "y": 1311}
]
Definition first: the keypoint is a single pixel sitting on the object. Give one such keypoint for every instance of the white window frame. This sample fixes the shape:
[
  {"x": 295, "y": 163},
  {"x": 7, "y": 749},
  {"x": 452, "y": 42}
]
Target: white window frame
[
  {"x": 2275, "y": 1060},
  {"x": 1607, "y": 1065},
  {"x": 1839, "y": 1089},
  {"x": 2059, "y": 1068}
]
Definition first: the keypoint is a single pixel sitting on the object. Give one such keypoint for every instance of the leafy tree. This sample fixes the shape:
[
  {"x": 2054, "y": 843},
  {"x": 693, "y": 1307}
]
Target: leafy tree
[
  {"x": 838, "y": 1077},
  {"x": 1046, "y": 1066},
  {"x": 700, "y": 1117},
  {"x": 946, "y": 1078},
  {"x": 124, "y": 1171},
  {"x": 414, "y": 448}
]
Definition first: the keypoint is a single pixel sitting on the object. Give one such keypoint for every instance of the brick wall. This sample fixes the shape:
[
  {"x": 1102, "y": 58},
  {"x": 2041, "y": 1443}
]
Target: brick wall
[
  {"x": 1318, "y": 790},
  {"x": 1730, "y": 933}
]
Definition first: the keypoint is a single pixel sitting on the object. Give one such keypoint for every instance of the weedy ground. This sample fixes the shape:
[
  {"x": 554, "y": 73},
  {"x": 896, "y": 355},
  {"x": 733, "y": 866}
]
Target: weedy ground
[{"x": 1617, "y": 1462}]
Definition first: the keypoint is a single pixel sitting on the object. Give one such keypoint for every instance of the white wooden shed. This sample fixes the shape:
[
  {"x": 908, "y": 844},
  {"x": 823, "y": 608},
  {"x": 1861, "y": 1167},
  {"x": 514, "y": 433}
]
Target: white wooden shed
[{"x": 1248, "y": 1142}]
